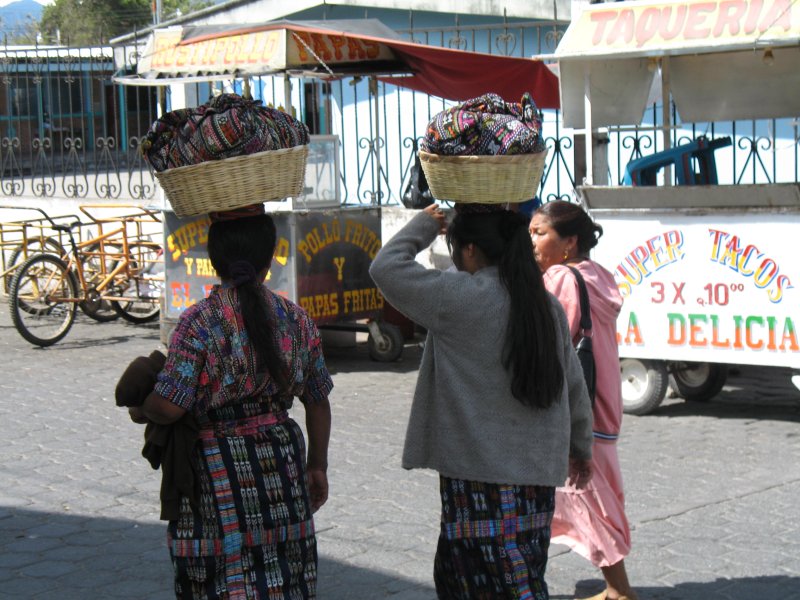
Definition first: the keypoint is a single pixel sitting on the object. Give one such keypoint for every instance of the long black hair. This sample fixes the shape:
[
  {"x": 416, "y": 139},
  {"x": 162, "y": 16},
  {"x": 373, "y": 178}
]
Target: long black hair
[
  {"x": 530, "y": 352},
  {"x": 239, "y": 250},
  {"x": 569, "y": 219}
]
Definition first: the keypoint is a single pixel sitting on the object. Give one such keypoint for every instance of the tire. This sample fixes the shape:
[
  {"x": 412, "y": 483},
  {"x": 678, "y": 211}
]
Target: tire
[
  {"x": 644, "y": 385},
  {"x": 23, "y": 252},
  {"x": 698, "y": 381},
  {"x": 390, "y": 345},
  {"x": 146, "y": 284},
  {"x": 95, "y": 308},
  {"x": 33, "y": 301}
]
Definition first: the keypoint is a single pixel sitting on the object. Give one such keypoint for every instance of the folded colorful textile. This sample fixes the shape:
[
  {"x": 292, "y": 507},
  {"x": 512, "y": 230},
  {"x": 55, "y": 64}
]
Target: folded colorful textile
[
  {"x": 487, "y": 125},
  {"x": 227, "y": 125}
]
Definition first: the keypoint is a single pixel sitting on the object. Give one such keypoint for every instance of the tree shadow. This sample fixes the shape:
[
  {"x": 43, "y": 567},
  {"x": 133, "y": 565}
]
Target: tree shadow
[
  {"x": 73, "y": 557},
  {"x": 766, "y": 587}
]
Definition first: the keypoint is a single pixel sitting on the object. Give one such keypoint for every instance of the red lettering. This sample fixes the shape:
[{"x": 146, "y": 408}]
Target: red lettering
[
  {"x": 623, "y": 28},
  {"x": 647, "y": 25},
  {"x": 696, "y": 26},
  {"x": 301, "y": 48},
  {"x": 752, "y": 17},
  {"x": 372, "y": 48},
  {"x": 670, "y": 31},
  {"x": 338, "y": 42},
  {"x": 320, "y": 47},
  {"x": 730, "y": 13},
  {"x": 354, "y": 50},
  {"x": 601, "y": 19}
]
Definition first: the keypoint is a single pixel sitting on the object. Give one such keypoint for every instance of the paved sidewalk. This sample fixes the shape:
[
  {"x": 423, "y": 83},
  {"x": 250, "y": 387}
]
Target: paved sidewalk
[{"x": 712, "y": 488}]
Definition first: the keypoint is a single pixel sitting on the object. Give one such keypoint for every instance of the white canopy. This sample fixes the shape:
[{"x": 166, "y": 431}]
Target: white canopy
[{"x": 721, "y": 59}]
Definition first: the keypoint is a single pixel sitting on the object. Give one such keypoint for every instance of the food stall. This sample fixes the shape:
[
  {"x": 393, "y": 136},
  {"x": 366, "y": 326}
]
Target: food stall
[
  {"x": 324, "y": 249},
  {"x": 709, "y": 273}
]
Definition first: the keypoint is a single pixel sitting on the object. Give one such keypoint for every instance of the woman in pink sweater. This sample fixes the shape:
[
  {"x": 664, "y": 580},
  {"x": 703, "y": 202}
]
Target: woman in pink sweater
[{"x": 592, "y": 520}]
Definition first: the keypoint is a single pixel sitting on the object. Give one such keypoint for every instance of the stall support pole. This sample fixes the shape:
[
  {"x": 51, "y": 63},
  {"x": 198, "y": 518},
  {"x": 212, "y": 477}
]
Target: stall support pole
[
  {"x": 587, "y": 124},
  {"x": 376, "y": 143},
  {"x": 287, "y": 94},
  {"x": 666, "y": 115}
]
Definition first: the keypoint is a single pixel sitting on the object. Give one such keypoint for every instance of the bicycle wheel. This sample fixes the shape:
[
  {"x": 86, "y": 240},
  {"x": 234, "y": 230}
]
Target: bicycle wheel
[
  {"x": 94, "y": 307},
  {"x": 146, "y": 284},
  {"x": 36, "y": 300},
  {"x": 24, "y": 251}
]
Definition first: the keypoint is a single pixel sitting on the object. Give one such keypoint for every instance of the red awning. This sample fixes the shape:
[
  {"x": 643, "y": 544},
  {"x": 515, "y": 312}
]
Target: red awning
[{"x": 448, "y": 73}]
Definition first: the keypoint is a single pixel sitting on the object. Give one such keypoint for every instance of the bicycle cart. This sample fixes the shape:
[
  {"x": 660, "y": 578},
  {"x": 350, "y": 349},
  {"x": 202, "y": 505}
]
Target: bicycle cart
[
  {"x": 121, "y": 265},
  {"x": 27, "y": 235}
]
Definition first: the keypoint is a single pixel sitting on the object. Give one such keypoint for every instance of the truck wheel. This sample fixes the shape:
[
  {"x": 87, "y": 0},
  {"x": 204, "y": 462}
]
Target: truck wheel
[
  {"x": 389, "y": 345},
  {"x": 697, "y": 381},
  {"x": 644, "y": 385}
]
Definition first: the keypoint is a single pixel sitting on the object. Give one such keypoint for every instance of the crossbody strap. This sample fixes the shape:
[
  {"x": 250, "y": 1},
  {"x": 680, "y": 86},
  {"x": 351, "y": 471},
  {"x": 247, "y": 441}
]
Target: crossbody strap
[{"x": 586, "y": 315}]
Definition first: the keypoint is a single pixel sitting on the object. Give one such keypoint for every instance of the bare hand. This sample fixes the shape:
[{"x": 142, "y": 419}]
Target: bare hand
[
  {"x": 580, "y": 472},
  {"x": 438, "y": 214},
  {"x": 317, "y": 488}
]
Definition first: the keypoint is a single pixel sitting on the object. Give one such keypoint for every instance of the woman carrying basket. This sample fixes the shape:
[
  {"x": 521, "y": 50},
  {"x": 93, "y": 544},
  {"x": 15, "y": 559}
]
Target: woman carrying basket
[
  {"x": 500, "y": 404},
  {"x": 236, "y": 361}
]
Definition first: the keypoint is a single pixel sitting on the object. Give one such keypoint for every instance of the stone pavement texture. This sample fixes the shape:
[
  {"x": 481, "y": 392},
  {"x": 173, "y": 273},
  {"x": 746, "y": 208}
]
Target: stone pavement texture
[{"x": 712, "y": 488}]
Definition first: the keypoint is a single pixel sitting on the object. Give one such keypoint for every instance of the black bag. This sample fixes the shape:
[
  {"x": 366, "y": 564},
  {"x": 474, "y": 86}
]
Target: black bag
[
  {"x": 584, "y": 346},
  {"x": 417, "y": 193}
]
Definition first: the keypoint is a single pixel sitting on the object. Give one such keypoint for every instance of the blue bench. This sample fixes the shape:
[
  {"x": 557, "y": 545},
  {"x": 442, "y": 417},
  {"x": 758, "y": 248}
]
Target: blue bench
[{"x": 685, "y": 158}]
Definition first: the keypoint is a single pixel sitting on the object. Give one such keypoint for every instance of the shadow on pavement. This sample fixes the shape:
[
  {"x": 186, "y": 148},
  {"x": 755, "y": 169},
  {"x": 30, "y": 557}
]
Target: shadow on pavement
[
  {"x": 356, "y": 359},
  {"x": 75, "y": 557},
  {"x": 751, "y": 392},
  {"x": 767, "y": 587}
]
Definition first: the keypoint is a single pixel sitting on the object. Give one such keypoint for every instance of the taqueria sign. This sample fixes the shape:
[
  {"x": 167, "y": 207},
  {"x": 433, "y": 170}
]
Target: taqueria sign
[{"x": 675, "y": 26}]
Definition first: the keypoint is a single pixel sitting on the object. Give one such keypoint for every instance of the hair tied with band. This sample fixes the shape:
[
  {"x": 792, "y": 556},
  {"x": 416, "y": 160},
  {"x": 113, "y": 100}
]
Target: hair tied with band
[{"x": 242, "y": 272}]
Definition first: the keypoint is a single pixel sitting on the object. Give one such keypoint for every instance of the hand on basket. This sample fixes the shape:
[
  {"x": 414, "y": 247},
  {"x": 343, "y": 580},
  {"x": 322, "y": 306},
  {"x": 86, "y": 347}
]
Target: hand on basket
[{"x": 438, "y": 214}]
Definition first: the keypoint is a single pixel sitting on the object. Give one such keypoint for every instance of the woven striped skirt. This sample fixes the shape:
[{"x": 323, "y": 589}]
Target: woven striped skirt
[
  {"x": 493, "y": 541},
  {"x": 252, "y": 534}
]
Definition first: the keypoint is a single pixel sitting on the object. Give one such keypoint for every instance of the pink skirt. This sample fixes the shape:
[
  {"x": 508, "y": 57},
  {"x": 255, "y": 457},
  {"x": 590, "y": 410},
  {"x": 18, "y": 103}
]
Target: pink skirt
[{"x": 592, "y": 521}]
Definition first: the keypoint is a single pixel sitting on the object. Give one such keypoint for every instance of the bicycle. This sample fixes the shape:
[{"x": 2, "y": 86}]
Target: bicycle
[
  {"x": 47, "y": 289},
  {"x": 21, "y": 238}
]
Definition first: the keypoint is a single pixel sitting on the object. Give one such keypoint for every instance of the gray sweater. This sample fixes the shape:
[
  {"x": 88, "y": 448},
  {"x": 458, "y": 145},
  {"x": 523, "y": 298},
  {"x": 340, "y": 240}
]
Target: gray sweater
[{"x": 464, "y": 421}]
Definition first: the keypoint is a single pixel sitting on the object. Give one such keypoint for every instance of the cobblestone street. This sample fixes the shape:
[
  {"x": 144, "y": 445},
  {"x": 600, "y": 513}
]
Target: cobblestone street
[{"x": 712, "y": 488}]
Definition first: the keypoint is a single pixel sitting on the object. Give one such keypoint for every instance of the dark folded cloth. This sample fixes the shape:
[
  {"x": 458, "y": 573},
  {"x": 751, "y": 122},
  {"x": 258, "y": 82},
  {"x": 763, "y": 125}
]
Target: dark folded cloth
[
  {"x": 168, "y": 447},
  {"x": 225, "y": 126},
  {"x": 485, "y": 126},
  {"x": 139, "y": 379}
]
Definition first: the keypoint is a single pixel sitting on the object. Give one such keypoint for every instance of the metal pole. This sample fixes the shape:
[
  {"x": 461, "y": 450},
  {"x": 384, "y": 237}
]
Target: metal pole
[
  {"x": 373, "y": 88},
  {"x": 666, "y": 115},
  {"x": 587, "y": 124}
]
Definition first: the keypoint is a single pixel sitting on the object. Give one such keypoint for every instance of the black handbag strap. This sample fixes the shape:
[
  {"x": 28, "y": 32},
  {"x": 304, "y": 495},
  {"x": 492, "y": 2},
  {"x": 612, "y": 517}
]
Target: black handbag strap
[{"x": 586, "y": 315}]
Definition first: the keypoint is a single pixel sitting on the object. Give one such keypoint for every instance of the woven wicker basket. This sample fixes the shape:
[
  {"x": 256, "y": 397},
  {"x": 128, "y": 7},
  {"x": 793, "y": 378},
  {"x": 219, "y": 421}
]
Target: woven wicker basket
[
  {"x": 235, "y": 182},
  {"x": 484, "y": 179}
]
